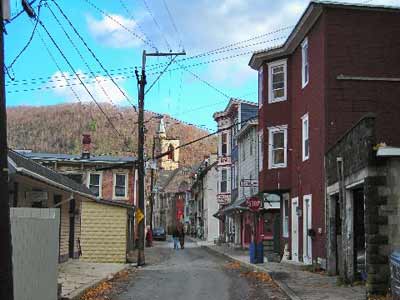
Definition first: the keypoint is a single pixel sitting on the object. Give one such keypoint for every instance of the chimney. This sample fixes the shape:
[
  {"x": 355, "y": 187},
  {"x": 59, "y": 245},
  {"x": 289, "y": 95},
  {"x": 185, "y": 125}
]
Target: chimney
[{"x": 86, "y": 145}]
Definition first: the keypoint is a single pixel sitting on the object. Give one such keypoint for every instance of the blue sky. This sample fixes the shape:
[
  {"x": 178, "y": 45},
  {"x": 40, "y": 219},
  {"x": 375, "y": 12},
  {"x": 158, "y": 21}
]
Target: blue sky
[{"x": 201, "y": 26}]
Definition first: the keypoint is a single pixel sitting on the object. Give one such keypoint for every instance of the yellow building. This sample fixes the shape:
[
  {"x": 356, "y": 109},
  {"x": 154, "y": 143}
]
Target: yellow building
[{"x": 106, "y": 231}]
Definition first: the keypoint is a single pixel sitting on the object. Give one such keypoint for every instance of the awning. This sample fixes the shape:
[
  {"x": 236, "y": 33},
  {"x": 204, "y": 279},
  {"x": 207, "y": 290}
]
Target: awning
[{"x": 237, "y": 205}]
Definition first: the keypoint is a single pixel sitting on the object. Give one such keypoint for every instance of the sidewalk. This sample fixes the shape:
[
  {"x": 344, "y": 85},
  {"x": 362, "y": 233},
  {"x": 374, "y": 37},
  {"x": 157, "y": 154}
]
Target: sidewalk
[
  {"x": 295, "y": 282},
  {"x": 76, "y": 276}
]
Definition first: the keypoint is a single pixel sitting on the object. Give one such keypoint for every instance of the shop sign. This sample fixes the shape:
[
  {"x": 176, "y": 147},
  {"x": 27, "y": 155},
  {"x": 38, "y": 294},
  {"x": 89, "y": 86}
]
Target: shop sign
[
  {"x": 253, "y": 203},
  {"x": 223, "y": 198},
  {"x": 249, "y": 183}
]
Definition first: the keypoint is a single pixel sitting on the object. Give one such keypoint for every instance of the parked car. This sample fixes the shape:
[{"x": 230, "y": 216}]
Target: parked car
[{"x": 159, "y": 234}]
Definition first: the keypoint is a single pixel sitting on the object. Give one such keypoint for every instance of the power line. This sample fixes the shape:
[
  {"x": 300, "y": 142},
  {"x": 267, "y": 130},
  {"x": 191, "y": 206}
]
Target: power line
[
  {"x": 136, "y": 23},
  {"x": 159, "y": 76},
  {"x": 91, "y": 52},
  {"x": 157, "y": 24},
  {"x": 80, "y": 54},
  {"x": 120, "y": 24},
  {"x": 21, "y": 12},
  {"x": 205, "y": 82},
  {"x": 84, "y": 85},
  {"x": 28, "y": 42},
  {"x": 155, "y": 66},
  {"x": 153, "y": 73},
  {"x": 173, "y": 23}
]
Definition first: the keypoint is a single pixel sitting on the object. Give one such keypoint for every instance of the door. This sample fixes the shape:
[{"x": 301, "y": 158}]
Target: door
[
  {"x": 307, "y": 224},
  {"x": 295, "y": 229},
  {"x": 71, "y": 243}
]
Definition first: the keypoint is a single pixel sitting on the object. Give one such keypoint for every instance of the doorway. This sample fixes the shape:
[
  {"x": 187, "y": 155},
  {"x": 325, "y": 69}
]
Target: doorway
[
  {"x": 71, "y": 242},
  {"x": 295, "y": 229},
  {"x": 359, "y": 234},
  {"x": 307, "y": 225}
]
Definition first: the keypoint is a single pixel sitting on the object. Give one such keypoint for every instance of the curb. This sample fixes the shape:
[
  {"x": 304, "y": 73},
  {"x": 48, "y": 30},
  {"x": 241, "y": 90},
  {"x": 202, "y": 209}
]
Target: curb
[{"x": 283, "y": 286}]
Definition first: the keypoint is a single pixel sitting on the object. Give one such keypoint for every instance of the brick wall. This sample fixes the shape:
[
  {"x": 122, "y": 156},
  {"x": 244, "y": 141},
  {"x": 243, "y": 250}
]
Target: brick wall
[{"x": 104, "y": 233}]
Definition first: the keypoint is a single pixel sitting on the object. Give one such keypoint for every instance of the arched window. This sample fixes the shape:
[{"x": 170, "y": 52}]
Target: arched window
[{"x": 171, "y": 152}]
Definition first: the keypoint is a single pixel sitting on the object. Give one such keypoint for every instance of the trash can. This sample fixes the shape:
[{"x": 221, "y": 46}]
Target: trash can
[
  {"x": 260, "y": 253},
  {"x": 253, "y": 253},
  {"x": 395, "y": 274}
]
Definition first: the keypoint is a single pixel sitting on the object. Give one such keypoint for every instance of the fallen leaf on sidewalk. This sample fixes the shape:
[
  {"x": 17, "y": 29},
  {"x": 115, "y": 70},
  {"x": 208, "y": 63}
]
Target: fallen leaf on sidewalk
[
  {"x": 261, "y": 276},
  {"x": 98, "y": 292},
  {"x": 233, "y": 265}
]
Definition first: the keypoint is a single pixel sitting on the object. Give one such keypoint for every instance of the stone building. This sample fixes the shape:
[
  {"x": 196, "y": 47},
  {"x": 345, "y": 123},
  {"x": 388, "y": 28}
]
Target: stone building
[{"x": 363, "y": 204}]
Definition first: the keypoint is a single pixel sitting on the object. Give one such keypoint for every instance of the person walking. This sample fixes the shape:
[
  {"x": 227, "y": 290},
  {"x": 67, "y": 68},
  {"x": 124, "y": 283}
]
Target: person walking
[
  {"x": 182, "y": 237},
  {"x": 175, "y": 237}
]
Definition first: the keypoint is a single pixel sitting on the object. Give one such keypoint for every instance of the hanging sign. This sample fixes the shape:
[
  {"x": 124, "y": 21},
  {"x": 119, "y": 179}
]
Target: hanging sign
[
  {"x": 253, "y": 203},
  {"x": 249, "y": 183}
]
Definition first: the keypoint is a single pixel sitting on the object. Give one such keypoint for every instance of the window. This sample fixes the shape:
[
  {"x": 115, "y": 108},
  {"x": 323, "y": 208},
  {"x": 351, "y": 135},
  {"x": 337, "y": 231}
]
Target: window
[
  {"x": 170, "y": 152},
  {"x": 260, "y": 87},
  {"x": 277, "y": 81},
  {"x": 260, "y": 151},
  {"x": 120, "y": 185},
  {"x": 285, "y": 213},
  {"x": 304, "y": 63},
  {"x": 251, "y": 145},
  {"x": 305, "y": 137},
  {"x": 224, "y": 148},
  {"x": 224, "y": 180},
  {"x": 94, "y": 183},
  {"x": 277, "y": 147},
  {"x": 243, "y": 148}
]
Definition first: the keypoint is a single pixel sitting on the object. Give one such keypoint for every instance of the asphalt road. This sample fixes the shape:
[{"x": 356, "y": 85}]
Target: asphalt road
[{"x": 194, "y": 273}]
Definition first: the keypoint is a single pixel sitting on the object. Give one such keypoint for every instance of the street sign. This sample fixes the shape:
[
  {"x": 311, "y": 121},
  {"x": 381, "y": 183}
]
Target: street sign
[
  {"x": 224, "y": 160},
  {"x": 139, "y": 215},
  {"x": 253, "y": 203},
  {"x": 249, "y": 183},
  {"x": 223, "y": 198}
]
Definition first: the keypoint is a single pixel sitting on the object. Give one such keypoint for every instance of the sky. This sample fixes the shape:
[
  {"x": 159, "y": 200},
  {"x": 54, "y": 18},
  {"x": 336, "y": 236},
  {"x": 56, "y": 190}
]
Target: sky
[{"x": 193, "y": 87}]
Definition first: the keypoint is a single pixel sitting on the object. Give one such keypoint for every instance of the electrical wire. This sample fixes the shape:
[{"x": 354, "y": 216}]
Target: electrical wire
[
  {"x": 67, "y": 35},
  {"x": 120, "y": 24},
  {"x": 28, "y": 42},
  {"x": 123, "y": 5},
  {"x": 159, "y": 76},
  {"x": 158, "y": 65},
  {"x": 20, "y": 12},
  {"x": 157, "y": 24},
  {"x": 173, "y": 23},
  {"x": 84, "y": 85},
  {"x": 92, "y": 53}
]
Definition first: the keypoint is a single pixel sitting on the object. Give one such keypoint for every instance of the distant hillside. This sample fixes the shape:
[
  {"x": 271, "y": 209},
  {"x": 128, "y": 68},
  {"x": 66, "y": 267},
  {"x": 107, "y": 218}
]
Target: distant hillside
[{"x": 59, "y": 129}]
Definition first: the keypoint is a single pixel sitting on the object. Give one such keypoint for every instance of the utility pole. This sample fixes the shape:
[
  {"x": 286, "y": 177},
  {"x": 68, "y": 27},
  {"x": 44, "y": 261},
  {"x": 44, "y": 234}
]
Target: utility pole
[
  {"x": 141, "y": 170},
  {"x": 6, "y": 275}
]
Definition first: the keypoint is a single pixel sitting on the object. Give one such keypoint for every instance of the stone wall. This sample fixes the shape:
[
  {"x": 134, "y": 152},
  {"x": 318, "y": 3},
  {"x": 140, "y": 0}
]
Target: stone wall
[{"x": 356, "y": 149}]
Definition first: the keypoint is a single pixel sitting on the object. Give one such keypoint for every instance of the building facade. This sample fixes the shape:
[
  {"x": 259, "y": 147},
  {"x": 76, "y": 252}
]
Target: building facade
[
  {"x": 336, "y": 66},
  {"x": 230, "y": 121}
]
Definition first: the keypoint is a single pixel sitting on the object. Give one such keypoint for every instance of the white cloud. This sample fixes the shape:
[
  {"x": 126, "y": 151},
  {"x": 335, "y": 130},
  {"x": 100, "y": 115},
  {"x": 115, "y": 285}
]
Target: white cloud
[
  {"x": 108, "y": 32},
  {"x": 95, "y": 86}
]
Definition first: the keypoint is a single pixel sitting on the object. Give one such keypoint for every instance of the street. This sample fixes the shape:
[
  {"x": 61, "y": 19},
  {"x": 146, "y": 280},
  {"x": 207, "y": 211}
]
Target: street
[{"x": 195, "y": 273}]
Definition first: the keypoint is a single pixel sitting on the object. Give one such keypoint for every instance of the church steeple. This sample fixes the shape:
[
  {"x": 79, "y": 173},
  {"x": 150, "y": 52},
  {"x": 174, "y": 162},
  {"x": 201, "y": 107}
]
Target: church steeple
[
  {"x": 164, "y": 145},
  {"x": 161, "y": 129}
]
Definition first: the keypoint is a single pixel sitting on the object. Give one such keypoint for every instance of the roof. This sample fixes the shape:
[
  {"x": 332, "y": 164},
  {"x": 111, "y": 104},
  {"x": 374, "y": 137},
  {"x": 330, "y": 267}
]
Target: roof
[
  {"x": 19, "y": 164},
  {"x": 76, "y": 158},
  {"x": 115, "y": 203},
  {"x": 232, "y": 101},
  {"x": 249, "y": 124},
  {"x": 388, "y": 151},
  {"x": 305, "y": 23}
]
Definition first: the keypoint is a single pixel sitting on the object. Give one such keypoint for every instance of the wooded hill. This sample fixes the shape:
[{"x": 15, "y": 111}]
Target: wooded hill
[{"x": 59, "y": 129}]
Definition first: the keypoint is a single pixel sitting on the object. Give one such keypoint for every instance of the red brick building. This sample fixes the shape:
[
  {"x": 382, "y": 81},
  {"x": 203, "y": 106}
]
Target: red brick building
[{"x": 339, "y": 63}]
